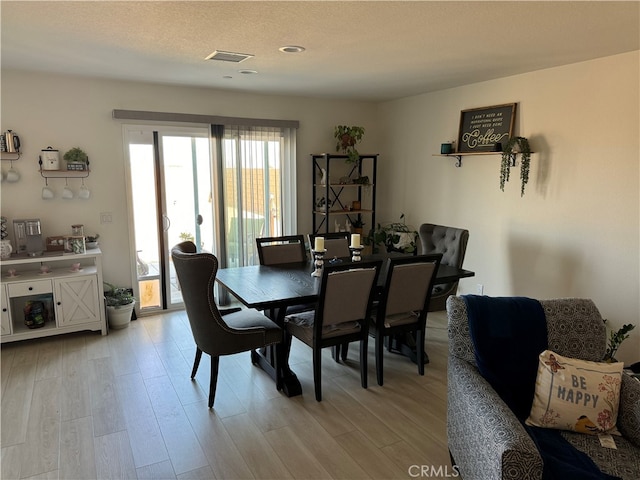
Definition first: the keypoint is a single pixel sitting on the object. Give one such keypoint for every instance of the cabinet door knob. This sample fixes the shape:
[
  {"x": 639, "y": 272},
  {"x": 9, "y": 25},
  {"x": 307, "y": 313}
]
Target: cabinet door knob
[
  {"x": 59, "y": 303},
  {"x": 4, "y": 309},
  {"x": 30, "y": 288}
]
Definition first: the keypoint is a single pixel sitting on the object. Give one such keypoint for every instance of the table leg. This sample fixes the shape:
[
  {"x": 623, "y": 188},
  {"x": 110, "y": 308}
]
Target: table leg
[
  {"x": 265, "y": 359},
  {"x": 405, "y": 344}
]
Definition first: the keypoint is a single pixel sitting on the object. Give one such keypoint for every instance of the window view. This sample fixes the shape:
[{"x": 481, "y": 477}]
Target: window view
[
  {"x": 252, "y": 189},
  {"x": 173, "y": 198}
]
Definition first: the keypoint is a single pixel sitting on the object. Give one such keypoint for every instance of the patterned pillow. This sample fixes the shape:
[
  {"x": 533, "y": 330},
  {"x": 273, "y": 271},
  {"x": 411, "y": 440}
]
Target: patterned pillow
[{"x": 576, "y": 395}]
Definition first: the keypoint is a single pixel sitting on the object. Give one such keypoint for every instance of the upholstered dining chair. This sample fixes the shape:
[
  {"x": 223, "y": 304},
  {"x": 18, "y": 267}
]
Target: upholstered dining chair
[
  {"x": 404, "y": 304},
  {"x": 280, "y": 250},
  {"x": 451, "y": 242},
  {"x": 336, "y": 244},
  {"x": 239, "y": 331},
  {"x": 283, "y": 249},
  {"x": 341, "y": 314}
]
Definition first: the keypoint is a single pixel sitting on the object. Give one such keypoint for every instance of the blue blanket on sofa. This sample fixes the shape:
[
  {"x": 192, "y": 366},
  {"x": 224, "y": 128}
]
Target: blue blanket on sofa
[{"x": 508, "y": 335}]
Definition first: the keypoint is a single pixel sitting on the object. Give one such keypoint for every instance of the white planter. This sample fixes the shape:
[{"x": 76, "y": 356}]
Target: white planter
[{"x": 120, "y": 316}]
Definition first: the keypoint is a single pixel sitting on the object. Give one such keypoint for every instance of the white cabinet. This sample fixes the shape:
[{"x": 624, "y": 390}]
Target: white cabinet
[
  {"x": 73, "y": 299},
  {"x": 5, "y": 319},
  {"x": 76, "y": 300}
]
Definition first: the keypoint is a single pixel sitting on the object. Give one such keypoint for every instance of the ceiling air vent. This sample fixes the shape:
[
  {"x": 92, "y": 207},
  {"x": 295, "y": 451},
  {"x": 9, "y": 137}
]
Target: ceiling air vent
[{"x": 232, "y": 57}]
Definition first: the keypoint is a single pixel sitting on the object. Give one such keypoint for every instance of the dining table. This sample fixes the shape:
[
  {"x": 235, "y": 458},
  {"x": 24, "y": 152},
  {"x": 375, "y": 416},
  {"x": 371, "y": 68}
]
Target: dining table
[{"x": 277, "y": 288}]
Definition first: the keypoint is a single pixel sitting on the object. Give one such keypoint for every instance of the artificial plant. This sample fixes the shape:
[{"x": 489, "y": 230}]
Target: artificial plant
[
  {"x": 76, "y": 154},
  {"x": 395, "y": 236},
  {"x": 347, "y": 139},
  {"x": 615, "y": 340},
  {"x": 510, "y": 150}
]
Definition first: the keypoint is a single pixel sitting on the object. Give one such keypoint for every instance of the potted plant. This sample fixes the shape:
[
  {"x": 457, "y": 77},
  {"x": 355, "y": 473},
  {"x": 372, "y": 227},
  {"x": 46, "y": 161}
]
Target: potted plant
[
  {"x": 395, "y": 237},
  {"x": 76, "y": 159},
  {"x": 91, "y": 241},
  {"x": 347, "y": 138},
  {"x": 120, "y": 302},
  {"x": 510, "y": 150},
  {"x": 358, "y": 225},
  {"x": 615, "y": 340}
]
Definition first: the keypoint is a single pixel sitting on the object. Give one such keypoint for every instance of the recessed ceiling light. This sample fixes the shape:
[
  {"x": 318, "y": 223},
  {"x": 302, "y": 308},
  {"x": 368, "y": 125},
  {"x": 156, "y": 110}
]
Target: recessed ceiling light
[
  {"x": 292, "y": 49},
  {"x": 247, "y": 72}
]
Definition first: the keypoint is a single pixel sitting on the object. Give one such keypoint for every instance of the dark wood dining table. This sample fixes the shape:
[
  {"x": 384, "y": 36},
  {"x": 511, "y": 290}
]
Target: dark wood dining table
[{"x": 274, "y": 288}]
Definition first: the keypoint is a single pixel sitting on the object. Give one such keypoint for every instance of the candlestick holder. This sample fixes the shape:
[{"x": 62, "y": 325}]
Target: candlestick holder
[
  {"x": 355, "y": 253},
  {"x": 318, "y": 255}
]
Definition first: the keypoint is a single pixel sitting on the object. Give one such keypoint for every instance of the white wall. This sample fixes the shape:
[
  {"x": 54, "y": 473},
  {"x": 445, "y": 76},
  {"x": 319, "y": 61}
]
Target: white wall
[
  {"x": 575, "y": 233},
  {"x": 65, "y": 111}
]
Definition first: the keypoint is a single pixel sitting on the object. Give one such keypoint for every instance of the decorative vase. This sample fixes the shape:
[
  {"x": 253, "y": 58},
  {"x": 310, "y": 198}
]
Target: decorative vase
[
  {"x": 5, "y": 249},
  {"x": 323, "y": 178}
]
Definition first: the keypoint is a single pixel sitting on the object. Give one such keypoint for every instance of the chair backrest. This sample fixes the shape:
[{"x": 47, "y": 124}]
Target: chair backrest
[
  {"x": 449, "y": 241},
  {"x": 345, "y": 296},
  {"x": 575, "y": 329},
  {"x": 409, "y": 284},
  {"x": 284, "y": 249},
  {"x": 196, "y": 273},
  {"x": 336, "y": 243}
]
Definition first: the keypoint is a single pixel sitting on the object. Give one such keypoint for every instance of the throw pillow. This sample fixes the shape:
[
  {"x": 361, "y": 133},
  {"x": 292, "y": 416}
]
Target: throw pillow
[{"x": 576, "y": 395}]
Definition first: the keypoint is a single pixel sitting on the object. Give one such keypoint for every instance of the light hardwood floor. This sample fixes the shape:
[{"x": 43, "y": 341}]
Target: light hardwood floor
[{"x": 84, "y": 406}]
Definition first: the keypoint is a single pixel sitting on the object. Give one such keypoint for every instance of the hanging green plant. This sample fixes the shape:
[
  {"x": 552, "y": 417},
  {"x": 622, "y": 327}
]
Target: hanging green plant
[
  {"x": 347, "y": 138},
  {"x": 510, "y": 150}
]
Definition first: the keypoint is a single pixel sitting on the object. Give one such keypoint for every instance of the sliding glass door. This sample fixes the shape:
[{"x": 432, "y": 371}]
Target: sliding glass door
[
  {"x": 171, "y": 198},
  {"x": 221, "y": 202}
]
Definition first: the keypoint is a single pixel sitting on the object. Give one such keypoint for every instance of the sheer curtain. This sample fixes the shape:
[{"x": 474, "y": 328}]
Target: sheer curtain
[{"x": 257, "y": 181}]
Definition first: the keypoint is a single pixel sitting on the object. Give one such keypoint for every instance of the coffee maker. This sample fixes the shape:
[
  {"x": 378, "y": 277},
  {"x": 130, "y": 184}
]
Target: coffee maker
[{"x": 28, "y": 234}]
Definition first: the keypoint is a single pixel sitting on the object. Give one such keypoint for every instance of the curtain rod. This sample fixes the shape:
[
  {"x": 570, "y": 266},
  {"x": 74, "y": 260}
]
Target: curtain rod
[{"x": 195, "y": 118}]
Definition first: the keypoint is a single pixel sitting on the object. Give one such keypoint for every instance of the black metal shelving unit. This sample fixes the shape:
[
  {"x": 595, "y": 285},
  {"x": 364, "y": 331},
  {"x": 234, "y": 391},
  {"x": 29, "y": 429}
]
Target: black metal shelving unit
[{"x": 341, "y": 187}]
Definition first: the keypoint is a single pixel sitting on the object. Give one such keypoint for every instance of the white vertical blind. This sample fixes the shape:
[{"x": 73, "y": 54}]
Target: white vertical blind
[{"x": 258, "y": 188}]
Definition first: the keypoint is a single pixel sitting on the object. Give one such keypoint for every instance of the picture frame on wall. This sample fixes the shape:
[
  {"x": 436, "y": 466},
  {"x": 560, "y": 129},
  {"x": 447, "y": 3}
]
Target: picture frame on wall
[{"x": 485, "y": 129}]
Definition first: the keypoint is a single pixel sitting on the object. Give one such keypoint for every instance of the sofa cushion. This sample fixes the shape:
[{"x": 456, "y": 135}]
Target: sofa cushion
[{"x": 576, "y": 395}]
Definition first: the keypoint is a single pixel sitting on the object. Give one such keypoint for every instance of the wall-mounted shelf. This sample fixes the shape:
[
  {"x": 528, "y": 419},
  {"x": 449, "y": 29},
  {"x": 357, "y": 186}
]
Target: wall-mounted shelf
[
  {"x": 459, "y": 156},
  {"x": 64, "y": 173},
  {"x": 10, "y": 156}
]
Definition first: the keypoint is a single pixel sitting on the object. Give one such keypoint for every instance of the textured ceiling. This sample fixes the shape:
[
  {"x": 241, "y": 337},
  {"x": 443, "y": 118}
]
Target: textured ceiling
[{"x": 358, "y": 50}]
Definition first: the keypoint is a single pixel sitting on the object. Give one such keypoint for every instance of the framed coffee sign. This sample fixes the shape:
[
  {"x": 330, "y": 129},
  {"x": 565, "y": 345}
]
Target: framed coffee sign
[{"x": 486, "y": 129}]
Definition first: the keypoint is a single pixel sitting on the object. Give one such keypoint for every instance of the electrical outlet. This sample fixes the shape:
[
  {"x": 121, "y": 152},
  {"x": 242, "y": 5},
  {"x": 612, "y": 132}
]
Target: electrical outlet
[
  {"x": 106, "y": 217},
  {"x": 480, "y": 289}
]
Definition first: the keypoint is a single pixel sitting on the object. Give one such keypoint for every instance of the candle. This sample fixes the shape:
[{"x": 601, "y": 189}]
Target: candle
[
  {"x": 355, "y": 240},
  {"x": 319, "y": 244}
]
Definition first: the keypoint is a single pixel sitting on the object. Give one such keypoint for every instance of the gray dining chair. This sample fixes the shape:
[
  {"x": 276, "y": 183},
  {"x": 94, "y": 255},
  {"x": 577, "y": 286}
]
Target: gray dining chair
[
  {"x": 336, "y": 244},
  {"x": 341, "y": 315},
  {"x": 283, "y": 249},
  {"x": 238, "y": 331},
  {"x": 404, "y": 303},
  {"x": 451, "y": 242}
]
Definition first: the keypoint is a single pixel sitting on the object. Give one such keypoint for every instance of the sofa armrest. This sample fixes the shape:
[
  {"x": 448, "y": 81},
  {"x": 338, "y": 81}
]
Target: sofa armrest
[
  {"x": 486, "y": 440},
  {"x": 629, "y": 411}
]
